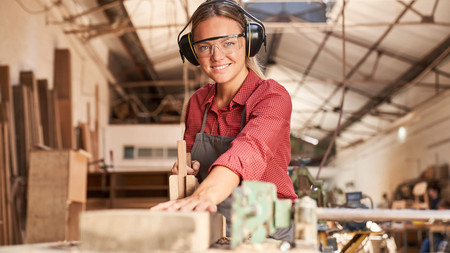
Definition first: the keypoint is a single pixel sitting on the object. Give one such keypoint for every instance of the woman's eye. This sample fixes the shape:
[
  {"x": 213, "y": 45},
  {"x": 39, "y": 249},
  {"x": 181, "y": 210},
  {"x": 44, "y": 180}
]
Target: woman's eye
[
  {"x": 204, "y": 48},
  {"x": 229, "y": 44}
]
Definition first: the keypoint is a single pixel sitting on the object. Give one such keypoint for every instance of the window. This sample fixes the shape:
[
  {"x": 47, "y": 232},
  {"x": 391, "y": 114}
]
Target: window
[
  {"x": 144, "y": 152},
  {"x": 172, "y": 152},
  {"x": 132, "y": 152},
  {"x": 128, "y": 152}
]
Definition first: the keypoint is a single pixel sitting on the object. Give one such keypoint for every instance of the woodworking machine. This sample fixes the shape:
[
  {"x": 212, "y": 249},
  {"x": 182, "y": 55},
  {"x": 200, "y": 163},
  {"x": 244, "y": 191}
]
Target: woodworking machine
[{"x": 257, "y": 212}]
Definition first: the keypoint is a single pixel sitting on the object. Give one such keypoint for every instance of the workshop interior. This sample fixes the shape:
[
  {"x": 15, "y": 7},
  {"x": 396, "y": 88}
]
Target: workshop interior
[{"x": 92, "y": 117}]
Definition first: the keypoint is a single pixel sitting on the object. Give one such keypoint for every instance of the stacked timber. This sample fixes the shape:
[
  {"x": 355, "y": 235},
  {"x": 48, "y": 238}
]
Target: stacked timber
[{"x": 34, "y": 116}]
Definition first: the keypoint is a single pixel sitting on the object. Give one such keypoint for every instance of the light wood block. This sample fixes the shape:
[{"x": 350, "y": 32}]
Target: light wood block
[
  {"x": 144, "y": 231},
  {"x": 182, "y": 185}
]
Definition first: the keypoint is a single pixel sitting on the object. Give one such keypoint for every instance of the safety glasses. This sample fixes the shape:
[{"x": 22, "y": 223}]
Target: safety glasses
[{"x": 227, "y": 44}]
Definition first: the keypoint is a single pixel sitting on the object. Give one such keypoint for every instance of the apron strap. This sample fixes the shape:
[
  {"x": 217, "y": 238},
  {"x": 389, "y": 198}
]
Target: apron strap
[
  {"x": 244, "y": 111},
  {"x": 204, "y": 118}
]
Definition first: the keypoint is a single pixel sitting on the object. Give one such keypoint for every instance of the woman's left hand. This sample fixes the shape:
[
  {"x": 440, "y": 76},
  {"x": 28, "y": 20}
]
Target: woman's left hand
[{"x": 191, "y": 203}]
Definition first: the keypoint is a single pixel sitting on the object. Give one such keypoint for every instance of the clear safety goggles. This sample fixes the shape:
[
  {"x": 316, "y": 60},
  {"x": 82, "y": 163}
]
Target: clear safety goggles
[{"x": 227, "y": 44}]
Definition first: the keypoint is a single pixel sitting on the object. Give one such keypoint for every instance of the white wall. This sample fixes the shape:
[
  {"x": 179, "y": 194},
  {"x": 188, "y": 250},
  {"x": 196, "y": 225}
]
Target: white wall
[
  {"x": 118, "y": 136},
  {"x": 27, "y": 43},
  {"x": 384, "y": 161}
]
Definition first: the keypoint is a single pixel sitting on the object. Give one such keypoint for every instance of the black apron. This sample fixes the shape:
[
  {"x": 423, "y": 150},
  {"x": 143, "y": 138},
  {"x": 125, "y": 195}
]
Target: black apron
[{"x": 206, "y": 149}]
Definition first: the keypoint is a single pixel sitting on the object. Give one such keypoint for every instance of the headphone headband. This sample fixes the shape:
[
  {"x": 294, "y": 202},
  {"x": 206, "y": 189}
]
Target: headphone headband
[{"x": 258, "y": 30}]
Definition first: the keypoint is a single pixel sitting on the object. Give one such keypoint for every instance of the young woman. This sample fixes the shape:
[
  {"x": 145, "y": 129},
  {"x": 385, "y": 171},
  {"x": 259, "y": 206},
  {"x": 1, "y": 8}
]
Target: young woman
[{"x": 237, "y": 128}]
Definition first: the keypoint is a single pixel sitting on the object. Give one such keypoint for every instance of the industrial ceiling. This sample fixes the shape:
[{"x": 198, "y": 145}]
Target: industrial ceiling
[{"x": 394, "y": 59}]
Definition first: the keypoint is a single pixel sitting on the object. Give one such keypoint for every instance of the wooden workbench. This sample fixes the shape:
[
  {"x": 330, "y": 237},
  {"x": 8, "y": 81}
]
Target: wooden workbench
[{"x": 72, "y": 247}]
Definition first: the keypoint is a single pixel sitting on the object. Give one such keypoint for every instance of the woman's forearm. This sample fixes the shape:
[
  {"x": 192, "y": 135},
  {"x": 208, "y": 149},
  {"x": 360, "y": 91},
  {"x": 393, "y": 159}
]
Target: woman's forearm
[{"x": 218, "y": 185}]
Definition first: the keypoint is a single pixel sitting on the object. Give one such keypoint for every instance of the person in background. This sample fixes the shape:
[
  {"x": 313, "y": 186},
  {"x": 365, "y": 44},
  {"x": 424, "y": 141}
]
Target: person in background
[
  {"x": 434, "y": 193},
  {"x": 436, "y": 203},
  {"x": 238, "y": 127}
]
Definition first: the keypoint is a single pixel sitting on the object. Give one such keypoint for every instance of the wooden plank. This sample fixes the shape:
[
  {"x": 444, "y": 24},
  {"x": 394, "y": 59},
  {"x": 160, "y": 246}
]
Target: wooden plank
[
  {"x": 73, "y": 220},
  {"x": 63, "y": 87},
  {"x": 3, "y": 199},
  {"x": 6, "y": 96},
  {"x": 85, "y": 137},
  {"x": 43, "y": 94},
  {"x": 55, "y": 122},
  {"x": 62, "y": 75},
  {"x": 181, "y": 146},
  {"x": 7, "y": 175},
  {"x": 22, "y": 130},
  {"x": 67, "y": 129},
  {"x": 77, "y": 180},
  {"x": 27, "y": 79},
  {"x": 144, "y": 231}
]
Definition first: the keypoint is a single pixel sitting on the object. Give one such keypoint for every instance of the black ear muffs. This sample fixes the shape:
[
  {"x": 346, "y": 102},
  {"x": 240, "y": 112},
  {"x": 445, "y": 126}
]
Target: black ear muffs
[
  {"x": 255, "y": 36},
  {"x": 187, "y": 50}
]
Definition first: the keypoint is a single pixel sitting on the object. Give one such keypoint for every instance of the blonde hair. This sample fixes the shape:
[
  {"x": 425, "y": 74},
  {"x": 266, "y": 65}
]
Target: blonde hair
[{"x": 223, "y": 9}]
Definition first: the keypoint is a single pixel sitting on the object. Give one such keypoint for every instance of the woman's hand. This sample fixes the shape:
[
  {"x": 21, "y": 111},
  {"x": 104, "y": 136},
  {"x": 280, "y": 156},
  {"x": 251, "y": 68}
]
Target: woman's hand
[
  {"x": 216, "y": 187},
  {"x": 191, "y": 203},
  {"x": 193, "y": 170}
]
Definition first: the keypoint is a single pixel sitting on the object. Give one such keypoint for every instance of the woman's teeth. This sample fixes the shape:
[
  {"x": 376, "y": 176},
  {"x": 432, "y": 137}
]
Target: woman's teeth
[{"x": 220, "y": 67}]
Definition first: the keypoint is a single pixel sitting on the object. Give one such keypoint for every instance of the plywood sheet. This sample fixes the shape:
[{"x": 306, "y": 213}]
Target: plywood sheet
[
  {"x": 77, "y": 181},
  {"x": 47, "y": 196}
]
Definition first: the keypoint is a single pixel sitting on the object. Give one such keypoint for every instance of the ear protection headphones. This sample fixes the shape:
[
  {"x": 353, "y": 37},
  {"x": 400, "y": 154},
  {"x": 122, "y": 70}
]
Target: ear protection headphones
[{"x": 255, "y": 35}]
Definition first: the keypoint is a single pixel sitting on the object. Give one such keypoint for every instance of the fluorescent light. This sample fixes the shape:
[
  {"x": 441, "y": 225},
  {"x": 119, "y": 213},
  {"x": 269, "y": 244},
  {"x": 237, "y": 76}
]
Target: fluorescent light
[
  {"x": 401, "y": 134},
  {"x": 311, "y": 140}
]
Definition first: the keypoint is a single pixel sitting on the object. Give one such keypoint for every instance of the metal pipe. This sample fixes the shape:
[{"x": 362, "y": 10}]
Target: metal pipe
[{"x": 348, "y": 214}]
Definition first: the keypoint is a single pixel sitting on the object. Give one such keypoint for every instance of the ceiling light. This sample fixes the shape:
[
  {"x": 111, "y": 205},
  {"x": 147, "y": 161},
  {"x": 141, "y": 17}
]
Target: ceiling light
[{"x": 309, "y": 139}]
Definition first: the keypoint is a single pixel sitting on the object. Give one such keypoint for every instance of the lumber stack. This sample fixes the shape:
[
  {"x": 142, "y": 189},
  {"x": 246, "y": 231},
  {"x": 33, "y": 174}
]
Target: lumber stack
[{"x": 34, "y": 116}]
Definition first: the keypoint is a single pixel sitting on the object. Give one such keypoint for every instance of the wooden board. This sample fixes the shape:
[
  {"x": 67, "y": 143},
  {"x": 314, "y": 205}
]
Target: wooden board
[
  {"x": 6, "y": 96},
  {"x": 144, "y": 231},
  {"x": 21, "y": 114},
  {"x": 67, "y": 129},
  {"x": 55, "y": 137},
  {"x": 62, "y": 75},
  {"x": 44, "y": 98},
  {"x": 27, "y": 79},
  {"x": 63, "y": 87},
  {"x": 55, "y": 181},
  {"x": 181, "y": 148}
]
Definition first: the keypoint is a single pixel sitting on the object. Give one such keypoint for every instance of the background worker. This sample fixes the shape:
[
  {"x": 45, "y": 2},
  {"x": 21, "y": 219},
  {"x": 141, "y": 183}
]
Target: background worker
[{"x": 238, "y": 127}]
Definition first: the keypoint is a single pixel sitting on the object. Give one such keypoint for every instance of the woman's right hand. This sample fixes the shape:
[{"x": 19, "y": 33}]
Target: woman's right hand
[{"x": 193, "y": 170}]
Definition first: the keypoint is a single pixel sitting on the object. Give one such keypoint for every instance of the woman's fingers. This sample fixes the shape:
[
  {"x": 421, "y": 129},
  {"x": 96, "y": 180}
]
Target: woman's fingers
[
  {"x": 187, "y": 204},
  {"x": 190, "y": 170},
  {"x": 174, "y": 170},
  {"x": 195, "y": 166}
]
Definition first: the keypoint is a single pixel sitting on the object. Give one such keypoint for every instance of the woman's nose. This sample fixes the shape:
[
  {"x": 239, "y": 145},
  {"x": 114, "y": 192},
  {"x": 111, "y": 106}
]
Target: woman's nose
[{"x": 217, "y": 52}]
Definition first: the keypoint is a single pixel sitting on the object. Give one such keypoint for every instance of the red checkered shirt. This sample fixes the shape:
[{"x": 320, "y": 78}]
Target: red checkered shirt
[{"x": 261, "y": 151}]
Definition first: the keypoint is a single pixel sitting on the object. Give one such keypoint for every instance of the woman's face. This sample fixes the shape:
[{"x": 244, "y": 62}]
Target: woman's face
[{"x": 222, "y": 67}]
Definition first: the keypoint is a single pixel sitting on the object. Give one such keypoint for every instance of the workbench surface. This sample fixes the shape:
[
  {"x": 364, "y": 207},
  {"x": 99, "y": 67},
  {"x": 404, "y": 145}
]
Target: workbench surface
[{"x": 74, "y": 247}]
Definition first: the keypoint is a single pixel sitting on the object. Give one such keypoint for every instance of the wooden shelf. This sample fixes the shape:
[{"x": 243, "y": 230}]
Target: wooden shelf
[{"x": 127, "y": 189}]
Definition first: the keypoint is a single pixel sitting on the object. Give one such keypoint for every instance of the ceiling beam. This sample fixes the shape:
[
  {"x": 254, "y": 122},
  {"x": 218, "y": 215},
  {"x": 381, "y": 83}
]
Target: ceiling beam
[{"x": 417, "y": 71}]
